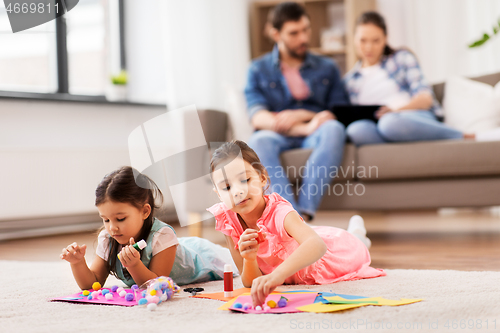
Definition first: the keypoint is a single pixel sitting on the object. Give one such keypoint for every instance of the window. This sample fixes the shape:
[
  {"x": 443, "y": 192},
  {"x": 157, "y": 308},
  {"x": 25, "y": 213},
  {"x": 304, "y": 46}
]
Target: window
[
  {"x": 87, "y": 67},
  {"x": 27, "y": 58},
  {"x": 67, "y": 56}
]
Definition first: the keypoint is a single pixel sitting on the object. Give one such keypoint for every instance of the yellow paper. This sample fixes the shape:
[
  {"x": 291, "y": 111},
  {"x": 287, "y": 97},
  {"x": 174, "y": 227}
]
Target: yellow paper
[
  {"x": 380, "y": 300},
  {"x": 321, "y": 307},
  {"x": 227, "y": 305}
]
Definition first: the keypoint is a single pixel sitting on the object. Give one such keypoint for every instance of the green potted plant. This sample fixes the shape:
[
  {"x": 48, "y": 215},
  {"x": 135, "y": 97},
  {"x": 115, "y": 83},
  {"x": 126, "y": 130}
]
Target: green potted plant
[{"x": 117, "y": 90}]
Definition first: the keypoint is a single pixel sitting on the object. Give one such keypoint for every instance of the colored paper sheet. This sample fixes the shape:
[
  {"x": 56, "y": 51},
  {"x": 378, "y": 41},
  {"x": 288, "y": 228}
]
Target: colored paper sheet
[
  {"x": 294, "y": 300},
  {"x": 327, "y": 294},
  {"x": 322, "y": 308},
  {"x": 319, "y": 297},
  {"x": 297, "y": 291},
  {"x": 379, "y": 300},
  {"x": 220, "y": 296},
  {"x": 322, "y": 294},
  {"x": 117, "y": 300},
  {"x": 228, "y": 304},
  {"x": 351, "y": 302}
]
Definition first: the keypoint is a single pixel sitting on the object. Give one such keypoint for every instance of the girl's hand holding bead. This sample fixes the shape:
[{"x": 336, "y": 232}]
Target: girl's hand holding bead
[
  {"x": 73, "y": 253},
  {"x": 129, "y": 256},
  {"x": 263, "y": 286}
]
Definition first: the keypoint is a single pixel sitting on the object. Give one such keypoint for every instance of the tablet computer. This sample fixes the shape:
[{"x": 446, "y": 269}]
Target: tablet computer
[{"x": 347, "y": 114}]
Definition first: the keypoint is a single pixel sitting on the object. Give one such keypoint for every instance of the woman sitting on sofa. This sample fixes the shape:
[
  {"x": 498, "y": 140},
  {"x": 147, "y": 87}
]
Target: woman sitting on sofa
[{"x": 393, "y": 79}]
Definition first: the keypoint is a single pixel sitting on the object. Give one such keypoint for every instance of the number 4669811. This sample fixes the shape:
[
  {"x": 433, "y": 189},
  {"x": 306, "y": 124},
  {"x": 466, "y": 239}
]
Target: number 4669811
[{"x": 31, "y": 8}]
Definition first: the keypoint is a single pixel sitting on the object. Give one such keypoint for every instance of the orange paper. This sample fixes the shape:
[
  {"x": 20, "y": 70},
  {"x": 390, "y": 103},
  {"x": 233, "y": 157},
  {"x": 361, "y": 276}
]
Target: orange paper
[{"x": 220, "y": 296}]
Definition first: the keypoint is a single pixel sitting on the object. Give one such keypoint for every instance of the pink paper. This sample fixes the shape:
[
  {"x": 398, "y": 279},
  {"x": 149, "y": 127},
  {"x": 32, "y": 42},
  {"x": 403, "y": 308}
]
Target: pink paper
[
  {"x": 294, "y": 301},
  {"x": 117, "y": 300}
]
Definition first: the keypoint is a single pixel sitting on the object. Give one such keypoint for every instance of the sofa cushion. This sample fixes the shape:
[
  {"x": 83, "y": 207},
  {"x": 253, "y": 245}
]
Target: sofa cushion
[
  {"x": 292, "y": 160},
  {"x": 432, "y": 159},
  {"x": 471, "y": 106}
]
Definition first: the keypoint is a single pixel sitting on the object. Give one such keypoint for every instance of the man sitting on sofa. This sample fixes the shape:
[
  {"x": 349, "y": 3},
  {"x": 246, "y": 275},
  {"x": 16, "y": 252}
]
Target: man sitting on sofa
[{"x": 289, "y": 93}]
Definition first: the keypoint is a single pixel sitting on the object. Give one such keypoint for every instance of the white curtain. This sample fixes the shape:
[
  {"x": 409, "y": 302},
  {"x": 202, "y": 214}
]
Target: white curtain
[
  {"x": 206, "y": 46},
  {"x": 144, "y": 51},
  {"x": 438, "y": 31}
]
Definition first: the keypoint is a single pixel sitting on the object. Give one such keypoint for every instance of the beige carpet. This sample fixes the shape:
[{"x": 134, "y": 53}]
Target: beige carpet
[{"x": 470, "y": 297}]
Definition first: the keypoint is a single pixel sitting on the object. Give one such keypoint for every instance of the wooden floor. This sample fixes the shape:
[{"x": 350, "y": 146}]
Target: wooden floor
[{"x": 464, "y": 240}]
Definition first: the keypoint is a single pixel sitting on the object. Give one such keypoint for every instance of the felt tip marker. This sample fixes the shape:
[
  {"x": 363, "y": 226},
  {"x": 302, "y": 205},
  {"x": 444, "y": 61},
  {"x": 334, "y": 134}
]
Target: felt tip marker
[
  {"x": 228, "y": 280},
  {"x": 138, "y": 246}
]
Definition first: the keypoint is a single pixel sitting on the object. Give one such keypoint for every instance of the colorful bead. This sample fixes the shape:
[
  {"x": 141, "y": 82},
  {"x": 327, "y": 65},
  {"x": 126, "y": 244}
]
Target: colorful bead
[
  {"x": 247, "y": 306},
  {"x": 105, "y": 291},
  {"x": 152, "y": 292},
  {"x": 89, "y": 297},
  {"x": 122, "y": 293},
  {"x": 109, "y": 296},
  {"x": 143, "y": 301},
  {"x": 282, "y": 302},
  {"x": 85, "y": 293},
  {"x": 237, "y": 305},
  {"x": 114, "y": 289},
  {"x": 96, "y": 286},
  {"x": 271, "y": 304},
  {"x": 129, "y": 297}
]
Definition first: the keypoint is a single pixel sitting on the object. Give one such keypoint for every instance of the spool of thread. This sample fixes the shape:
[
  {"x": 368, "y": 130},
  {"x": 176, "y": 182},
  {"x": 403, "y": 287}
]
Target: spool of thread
[
  {"x": 138, "y": 246},
  {"x": 228, "y": 280},
  {"x": 260, "y": 237}
]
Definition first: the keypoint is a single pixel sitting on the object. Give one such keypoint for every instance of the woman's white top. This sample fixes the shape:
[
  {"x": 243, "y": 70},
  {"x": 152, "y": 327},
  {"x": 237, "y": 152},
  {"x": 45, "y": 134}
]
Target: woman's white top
[{"x": 377, "y": 88}]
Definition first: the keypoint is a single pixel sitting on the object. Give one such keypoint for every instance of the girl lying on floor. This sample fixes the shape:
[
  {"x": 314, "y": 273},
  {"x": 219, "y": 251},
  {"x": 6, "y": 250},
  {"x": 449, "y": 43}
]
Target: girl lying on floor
[{"x": 270, "y": 243}]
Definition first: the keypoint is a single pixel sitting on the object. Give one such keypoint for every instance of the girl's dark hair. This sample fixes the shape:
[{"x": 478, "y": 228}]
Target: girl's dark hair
[
  {"x": 127, "y": 185},
  {"x": 377, "y": 20},
  {"x": 230, "y": 150}
]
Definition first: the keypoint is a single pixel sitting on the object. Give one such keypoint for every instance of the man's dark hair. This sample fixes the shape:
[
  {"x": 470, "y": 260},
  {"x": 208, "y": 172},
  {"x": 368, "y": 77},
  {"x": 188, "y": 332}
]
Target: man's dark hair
[{"x": 284, "y": 12}]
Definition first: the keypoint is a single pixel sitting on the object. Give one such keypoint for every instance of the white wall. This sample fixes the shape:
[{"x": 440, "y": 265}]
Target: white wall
[
  {"x": 438, "y": 31},
  {"x": 53, "y": 154},
  {"x": 145, "y": 51},
  {"x": 207, "y": 49}
]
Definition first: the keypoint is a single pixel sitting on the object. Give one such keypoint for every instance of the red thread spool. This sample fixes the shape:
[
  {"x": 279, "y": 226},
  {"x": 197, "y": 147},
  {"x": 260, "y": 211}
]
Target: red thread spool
[{"x": 260, "y": 237}]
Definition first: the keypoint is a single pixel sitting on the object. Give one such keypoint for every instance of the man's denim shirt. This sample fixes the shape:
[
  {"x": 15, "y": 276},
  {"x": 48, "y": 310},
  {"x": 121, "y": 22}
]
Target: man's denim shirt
[{"x": 266, "y": 87}]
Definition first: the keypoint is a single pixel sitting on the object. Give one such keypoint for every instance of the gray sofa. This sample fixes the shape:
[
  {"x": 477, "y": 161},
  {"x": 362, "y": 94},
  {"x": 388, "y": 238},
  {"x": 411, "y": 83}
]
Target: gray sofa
[{"x": 419, "y": 175}]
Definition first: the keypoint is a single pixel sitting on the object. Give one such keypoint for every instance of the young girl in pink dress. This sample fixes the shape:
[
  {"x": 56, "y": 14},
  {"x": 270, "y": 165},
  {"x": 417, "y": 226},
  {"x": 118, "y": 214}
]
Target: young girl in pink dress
[{"x": 270, "y": 243}]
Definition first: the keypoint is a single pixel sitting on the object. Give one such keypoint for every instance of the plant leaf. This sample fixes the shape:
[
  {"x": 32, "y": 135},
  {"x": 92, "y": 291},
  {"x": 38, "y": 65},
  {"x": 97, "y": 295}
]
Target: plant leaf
[{"x": 480, "y": 41}]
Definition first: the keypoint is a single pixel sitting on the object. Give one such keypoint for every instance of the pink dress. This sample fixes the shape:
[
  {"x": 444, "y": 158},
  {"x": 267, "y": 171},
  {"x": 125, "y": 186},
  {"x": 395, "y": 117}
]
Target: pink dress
[{"x": 347, "y": 258}]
